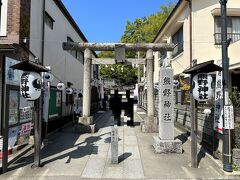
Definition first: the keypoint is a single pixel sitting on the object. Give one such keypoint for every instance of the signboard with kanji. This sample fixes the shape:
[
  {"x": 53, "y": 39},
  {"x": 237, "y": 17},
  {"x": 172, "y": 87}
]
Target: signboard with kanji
[
  {"x": 228, "y": 117},
  {"x": 166, "y": 104},
  {"x": 166, "y": 95},
  {"x": 202, "y": 90},
  {"x": 218, "y": 110}
]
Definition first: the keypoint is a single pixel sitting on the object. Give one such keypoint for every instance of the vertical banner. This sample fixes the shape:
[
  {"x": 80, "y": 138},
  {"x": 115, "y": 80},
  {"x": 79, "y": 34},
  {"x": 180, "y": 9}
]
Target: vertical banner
[{"x": 218, "y": 109}]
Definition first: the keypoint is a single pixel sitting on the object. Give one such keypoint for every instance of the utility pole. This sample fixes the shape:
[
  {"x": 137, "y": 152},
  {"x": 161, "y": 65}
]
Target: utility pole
[{"x": 227, "y": 154}]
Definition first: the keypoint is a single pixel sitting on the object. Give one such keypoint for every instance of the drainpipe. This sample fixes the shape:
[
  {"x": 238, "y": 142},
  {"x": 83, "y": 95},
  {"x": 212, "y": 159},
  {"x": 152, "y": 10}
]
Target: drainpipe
[
  {"x": 43, "y": 31},
  {"x": 0, "y": 14}
]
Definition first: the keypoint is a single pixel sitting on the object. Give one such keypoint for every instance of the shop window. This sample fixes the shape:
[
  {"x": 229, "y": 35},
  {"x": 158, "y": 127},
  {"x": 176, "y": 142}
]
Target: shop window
[
  {"x": 19, "y": 109},
  {"x": 49, "y": 20}
]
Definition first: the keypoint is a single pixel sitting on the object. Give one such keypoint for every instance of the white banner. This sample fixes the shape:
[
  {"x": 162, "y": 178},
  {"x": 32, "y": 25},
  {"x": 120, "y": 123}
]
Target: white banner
[{"x": 218, "y": 109}]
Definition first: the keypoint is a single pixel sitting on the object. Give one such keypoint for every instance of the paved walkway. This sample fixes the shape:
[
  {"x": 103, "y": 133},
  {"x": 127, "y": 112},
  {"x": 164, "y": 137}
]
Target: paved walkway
[{"x": 74, "y": 156}]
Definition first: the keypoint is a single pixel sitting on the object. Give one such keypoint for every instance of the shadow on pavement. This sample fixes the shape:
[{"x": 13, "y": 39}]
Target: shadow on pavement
[
  {"x": 63, "y": 141},
  {"x": 108, "y": 140},
  {"x": 183, "y": 137},
  {"x": 201, "y": 155},
  {"x": 124, "y": 156}
]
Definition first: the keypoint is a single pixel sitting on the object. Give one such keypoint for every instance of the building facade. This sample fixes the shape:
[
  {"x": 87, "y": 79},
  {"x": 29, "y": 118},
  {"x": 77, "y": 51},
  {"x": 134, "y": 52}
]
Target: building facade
[
  {"x": 35, "y": 30},
  {"x": 206, "y": 45}
]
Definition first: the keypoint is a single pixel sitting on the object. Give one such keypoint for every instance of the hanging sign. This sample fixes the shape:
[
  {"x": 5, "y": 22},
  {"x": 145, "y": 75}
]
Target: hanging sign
[
  {"x": 69, "y": 91},
  {"x": 202, "y": 90},
  {"x": 30, "y": 86},
  {"x": 60, "y": 86},
  {"x": 228, "y": 117},
  {"x": 218, "y": 110},
  {"x": 48, "y": 77}
]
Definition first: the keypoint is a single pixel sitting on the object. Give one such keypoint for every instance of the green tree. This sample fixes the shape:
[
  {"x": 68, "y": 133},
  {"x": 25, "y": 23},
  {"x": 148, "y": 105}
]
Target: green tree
[{"x": 141, "y": 30}]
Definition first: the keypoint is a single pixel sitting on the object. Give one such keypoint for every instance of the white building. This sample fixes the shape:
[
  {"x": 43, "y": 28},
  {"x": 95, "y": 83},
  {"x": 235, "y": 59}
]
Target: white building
[{"x": 24, "y": 35}]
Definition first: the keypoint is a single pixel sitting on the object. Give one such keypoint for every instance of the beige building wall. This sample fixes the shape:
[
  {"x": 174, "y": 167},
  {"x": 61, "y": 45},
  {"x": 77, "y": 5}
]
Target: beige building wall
[
  {"x": 203, "y": 30},
  {"x": 204, "y": 48}
]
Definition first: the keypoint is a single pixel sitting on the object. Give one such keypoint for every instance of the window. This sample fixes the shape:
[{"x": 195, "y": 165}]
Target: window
[
  {"x": 49, "y": 20},
  {"x": 75, "y": 53},
  {"x": 3, "y": 17},
  {"x": 233, "y": 29},
  {"x": 177, "y": 39}
]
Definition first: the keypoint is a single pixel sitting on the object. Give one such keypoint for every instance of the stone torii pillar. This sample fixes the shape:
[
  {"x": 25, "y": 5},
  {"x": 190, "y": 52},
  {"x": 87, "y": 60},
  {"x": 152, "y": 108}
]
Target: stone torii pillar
[
  {"x": 149, "y": 125},
  {"x": 86, "y": 118}
]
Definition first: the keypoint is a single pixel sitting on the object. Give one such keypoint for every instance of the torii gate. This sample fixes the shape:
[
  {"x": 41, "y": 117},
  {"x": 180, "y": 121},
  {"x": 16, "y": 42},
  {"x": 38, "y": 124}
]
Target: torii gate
[{"x": 120, "y": 49}]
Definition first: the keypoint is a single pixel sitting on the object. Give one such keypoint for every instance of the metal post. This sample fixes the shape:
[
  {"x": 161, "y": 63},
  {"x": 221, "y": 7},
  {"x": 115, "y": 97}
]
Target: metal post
[
  {"x": 38, "y": 107},
  {"x": 194, "y": 127},
  {"x": 227, "y": 154},
  {"x": 0, "y": 14},
  {"x": 193, "y": 103},
  {"x": 5, "y": 124},
  {"x": 37, "y": 133}
]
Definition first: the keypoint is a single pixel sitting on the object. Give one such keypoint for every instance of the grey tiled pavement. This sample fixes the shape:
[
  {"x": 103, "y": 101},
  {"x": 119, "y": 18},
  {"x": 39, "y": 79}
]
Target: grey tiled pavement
[{"x": 74, "y": 156}]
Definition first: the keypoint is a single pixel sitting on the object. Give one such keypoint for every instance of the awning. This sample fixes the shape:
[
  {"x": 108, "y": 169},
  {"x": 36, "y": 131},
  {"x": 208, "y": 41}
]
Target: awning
[
  {"x": 27, "y": 65},
  {"x": 234, "y": 66},
  {"x": 230, "y": 12},
  {"x": 205, "y": 67}
]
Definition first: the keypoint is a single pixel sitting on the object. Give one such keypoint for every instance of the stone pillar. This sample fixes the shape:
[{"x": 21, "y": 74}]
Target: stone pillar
[
  {"x": 150, "y": 85},
  {"x": 165, "y": 142},
  {"x": 148, "y": 125},
  {"x": 114, "y": 145},
  {"x": 86, "y": 119}
]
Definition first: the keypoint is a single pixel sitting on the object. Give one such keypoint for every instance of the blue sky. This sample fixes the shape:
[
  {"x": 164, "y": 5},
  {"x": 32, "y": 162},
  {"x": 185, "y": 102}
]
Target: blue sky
[{"x": 105, "y": 20}]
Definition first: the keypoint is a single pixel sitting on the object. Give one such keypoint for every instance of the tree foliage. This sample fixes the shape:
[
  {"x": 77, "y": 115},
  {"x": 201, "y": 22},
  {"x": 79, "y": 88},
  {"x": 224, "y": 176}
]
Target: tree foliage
[{"x": 141, "y": 30}]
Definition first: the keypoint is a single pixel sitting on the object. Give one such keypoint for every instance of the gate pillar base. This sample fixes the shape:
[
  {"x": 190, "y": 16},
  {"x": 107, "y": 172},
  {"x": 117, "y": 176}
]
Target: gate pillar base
[
  {"x": 165, "y": 146},
  {"x": 149, "y": 125}
]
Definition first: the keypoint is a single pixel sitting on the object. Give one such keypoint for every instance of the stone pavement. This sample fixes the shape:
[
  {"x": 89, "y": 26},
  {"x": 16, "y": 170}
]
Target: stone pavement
[{"x": 73, "y": 156}]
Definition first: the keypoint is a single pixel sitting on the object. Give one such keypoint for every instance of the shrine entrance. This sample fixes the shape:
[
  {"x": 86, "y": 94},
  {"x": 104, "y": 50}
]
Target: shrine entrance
[{"x": 120, "y": 50}]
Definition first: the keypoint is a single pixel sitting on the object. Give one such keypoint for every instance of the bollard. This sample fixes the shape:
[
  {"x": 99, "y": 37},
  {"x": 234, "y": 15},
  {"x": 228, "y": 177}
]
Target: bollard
[{"x": 114, "y": 144}]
